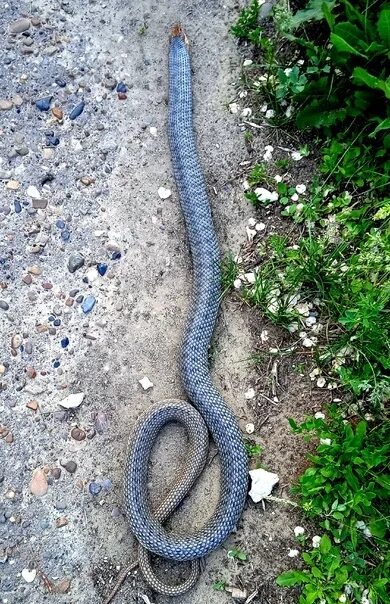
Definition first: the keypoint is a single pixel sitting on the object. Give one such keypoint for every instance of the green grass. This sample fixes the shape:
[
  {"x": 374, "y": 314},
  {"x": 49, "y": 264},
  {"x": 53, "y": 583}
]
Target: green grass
[{"x": 324, "y": 70}]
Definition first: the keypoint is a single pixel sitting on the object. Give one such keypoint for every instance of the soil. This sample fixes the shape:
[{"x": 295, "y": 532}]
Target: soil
[{"x": 104, "y": 175}]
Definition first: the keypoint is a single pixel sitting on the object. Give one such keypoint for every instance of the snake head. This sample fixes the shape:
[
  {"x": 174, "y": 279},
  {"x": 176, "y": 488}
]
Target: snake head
[{"x": 177, "y": 31}]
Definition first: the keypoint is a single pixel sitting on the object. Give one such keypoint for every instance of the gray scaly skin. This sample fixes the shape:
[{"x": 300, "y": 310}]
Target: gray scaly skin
[{"x": 207, "y": 410}]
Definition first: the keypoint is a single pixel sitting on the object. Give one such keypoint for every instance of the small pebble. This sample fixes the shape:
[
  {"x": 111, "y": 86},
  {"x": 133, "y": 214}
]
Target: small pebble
[
  {"x": 77, "y": 110},
  {"x": 38, "y": 484},
  {"x": 88, "y": 304},
  {"x": 44, "y": 104},
  {"x": 75, "y": 261},
  {"x": 94, "y": 488},
  {"x": 121, "y": 87}
]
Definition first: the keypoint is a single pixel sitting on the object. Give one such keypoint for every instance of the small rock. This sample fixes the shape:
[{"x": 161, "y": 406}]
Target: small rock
[
  {"x": 16, "y": 341},
  {"x": 19, "y": 26},
  {"x": 4, "y": 305},
  {"x": 38, "y": 484},
  {"x": 29, "y": 575},
  {"x": 73, "y": 400},
  {"x": 39, "y": 204},
  {"x": 60, "y": 522},
  {"x": 70, "y": 466},
  {"x": 164, "y": 193},
  {"x": 5, "y": 105},
  {"x": 77, "y": 110},
  {"x": 78, "y": 434},
  {"x": 101, "y": 269},
  {"x": 146, "y": 383},
  {"x": 94, "y": 488},
  {"x": 86, "y": 180},
  {"x": 57, "y": 113},
  {"x": 12, "y": 185},
  {"x": 249, "y": 428},
  {"x": 88, "y": 304},
  {"x": 100, "y": 422},
  {"x": 33, "y": 405},
  {"x": 121, "y": 87},
  {"x": 75, "y": 262},
  {"x": 44, "y": 104}
]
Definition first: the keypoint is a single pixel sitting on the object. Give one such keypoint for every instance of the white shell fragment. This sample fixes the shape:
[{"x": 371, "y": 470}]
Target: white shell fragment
[
  {"x": 73, "y": 400},
  {"x": 146, "y": 383},
  {"x": 262, "y": 484},
  {"x": 164, "y": 193},
  {"x": 29, "y": 575}
]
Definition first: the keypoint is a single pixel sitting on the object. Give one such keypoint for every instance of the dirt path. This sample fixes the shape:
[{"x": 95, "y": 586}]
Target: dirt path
[{"x": 72, "y": 536}]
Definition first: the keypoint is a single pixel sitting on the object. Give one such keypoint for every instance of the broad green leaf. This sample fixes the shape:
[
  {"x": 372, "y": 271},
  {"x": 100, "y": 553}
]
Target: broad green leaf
[
  {"x": 343, "y": 46},
  {"x": 364, "y": 77},
  {"x": 383, "y": 25},
  {"x": 312, "y": 12},
  {"x": 325, "y": 544},
  {"x": 378, "y": 528},
  {"x": 315, "y": 115},
  {"x": 291, "y": 577}
]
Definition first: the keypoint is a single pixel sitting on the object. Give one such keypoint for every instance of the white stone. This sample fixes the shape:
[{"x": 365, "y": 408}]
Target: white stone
[
  {"x": 252, "y": 222},
  {"x": 146, "y": 383},
  {"x": 250, "y": 233},
  {"x": 308, "y": 343},
  {"x": 92, "y": 274},
  {"x": 296, "y": 156},
  {"x": 237, "y": 283},
  {"x": 265, "y": 195},
  {"x": 260, "y": 226},
  {"x": 164, "y": 193},
  {"x": 264, "y": 336},
  {"x": 262, "y": 484},
  {"x": 321, "y": 382},
  {"x": 299, "y": 530},
  {"x": 249, "y": 428},
  {"x": 325, "y": 441},
  {"x": 247, "y": 62},
  {"x": 269, "y": 113},
  {"x": 249, "y": 394},
  {"x": 153, "y": 130},
  {"x": 233, "y": 107},
  {"x": 250, "y": 277},
  {"x": 33, "y": 192},
  {"x": 294, "y": 197},
  {"x": 246, "y": 112},
  {"x": 29, "y": 575},
  {"x": 73, "y": 400},
  {"x": 278, "y": 178},
  {"x": 319, "y": 415},
  {"x": 293, "y": 553},
  {"x": 300, "y": 189}
]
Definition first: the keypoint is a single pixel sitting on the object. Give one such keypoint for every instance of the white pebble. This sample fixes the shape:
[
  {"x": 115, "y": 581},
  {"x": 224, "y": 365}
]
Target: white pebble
[
  {"x": 299, "y": 530},
  {"x": 264, "y": 336},
  {"x": 260, "y": 226},
  {"x": 237, "y": 283},
  {"x": 33, "y": 192},
  {"x": 73, "y": 400},
  {"x": 325, "y": 441},
  {"x": 252, "y": 222},
  {"x": 319, "y": 415},
  {"x": 246, "y": 112},
  {"x": 249, "y": 428},
  {"x": 146, "y": 383},
  {"x": 153, "y": 130},
  {"x": 300, "y": 189},
  {"x": 316, "y": 541},
  {"x": 321, "y": 382},
  {"x": 250, "y": 277},
  {"x": 29, "y": 575},
  {"x": 249, "y": 394},
  {"x": 247, "y": 62},
  {"x": 233, "y": 107},
  {"x": 164, "y": 193}
]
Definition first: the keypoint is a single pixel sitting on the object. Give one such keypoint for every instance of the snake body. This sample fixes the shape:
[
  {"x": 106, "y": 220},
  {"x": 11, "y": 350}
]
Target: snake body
[{"x": 207, "y": 411}]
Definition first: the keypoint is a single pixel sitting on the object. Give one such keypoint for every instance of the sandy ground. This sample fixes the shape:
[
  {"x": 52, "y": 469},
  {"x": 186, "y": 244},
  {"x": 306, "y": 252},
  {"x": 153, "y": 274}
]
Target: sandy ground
[{"x": 141, "y": 303}]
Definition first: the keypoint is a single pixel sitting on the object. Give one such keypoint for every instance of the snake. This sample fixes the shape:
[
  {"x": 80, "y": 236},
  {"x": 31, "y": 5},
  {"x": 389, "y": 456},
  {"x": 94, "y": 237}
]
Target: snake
[{"x": 206, "y": 412}]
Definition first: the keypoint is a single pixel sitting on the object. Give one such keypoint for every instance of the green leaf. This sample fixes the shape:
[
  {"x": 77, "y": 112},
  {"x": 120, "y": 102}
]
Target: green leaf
[
  {"x": 383, "y": 25},
  {"x": 362, "y": 76},
  {"x": 378, "y": 528},
  {"x": 291, "y": 577},
  {"x": 314, "y": 115},
  {"x": 383, "y": 125},
  {"x": 325, "y": 544},
  {"x": 343, "y": 46},
  {"x": 314, "y": 11}
]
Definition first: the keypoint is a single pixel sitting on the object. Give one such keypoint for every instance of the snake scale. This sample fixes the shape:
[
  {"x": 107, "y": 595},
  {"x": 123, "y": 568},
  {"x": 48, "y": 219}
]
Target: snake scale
[{"x": 207, "y": 411}]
